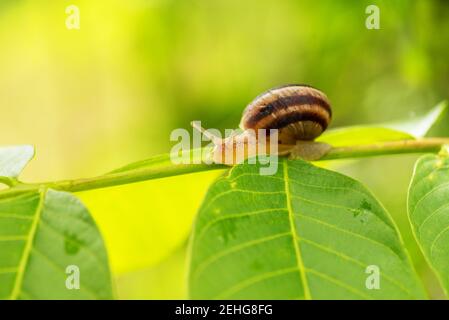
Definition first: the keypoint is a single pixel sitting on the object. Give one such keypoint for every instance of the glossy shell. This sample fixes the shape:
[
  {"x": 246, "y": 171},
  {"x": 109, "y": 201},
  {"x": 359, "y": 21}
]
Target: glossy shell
[{"x": 299, "y": 112}]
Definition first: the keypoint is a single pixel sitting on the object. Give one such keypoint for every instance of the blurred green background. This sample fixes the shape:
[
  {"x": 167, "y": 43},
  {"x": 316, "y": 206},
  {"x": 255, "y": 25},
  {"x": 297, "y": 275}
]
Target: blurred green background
[{"x": 93, "y": 99}]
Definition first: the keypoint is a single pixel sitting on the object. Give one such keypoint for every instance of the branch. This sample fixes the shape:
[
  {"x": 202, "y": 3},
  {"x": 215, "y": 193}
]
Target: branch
[{"x": 160, "y": 166}]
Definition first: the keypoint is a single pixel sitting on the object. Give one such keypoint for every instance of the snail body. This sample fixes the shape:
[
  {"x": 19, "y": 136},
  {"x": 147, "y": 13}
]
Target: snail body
[{"x": 299, "y": 113}]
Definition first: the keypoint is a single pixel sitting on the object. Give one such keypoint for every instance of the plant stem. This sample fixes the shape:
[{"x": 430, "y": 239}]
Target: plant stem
[
  {"x": 120, "y": 178},
  {"x": 161, "y": 166}
]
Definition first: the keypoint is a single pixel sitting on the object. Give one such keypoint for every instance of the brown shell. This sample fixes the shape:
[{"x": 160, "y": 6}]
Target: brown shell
[{"x": 299, "y": 112}]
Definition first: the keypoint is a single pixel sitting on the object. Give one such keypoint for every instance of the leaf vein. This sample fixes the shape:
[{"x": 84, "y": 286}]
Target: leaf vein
[
  {"x": 253, "y": 280},
  {"x": 201, "y": 267},
  {"x": 351, "y": 233},
  {"x": 339, "y": 283},
  {"x": 429, "y": 193},
  {"x": 300, "y": 263},
  {"x": 354, "y": 261},
  {"x": 15, "y": 216},
  {"x": 439, "y": 235},
  {"x": 219, "y": 195},
  {"x": 441, "y": 208},
  {"x": 343, "y": 207},
  {"x": 236, "y": 216},
  {"x": 28, "y": 246}
]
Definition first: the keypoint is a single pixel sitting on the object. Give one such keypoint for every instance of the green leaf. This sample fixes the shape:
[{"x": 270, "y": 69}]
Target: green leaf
[
  {"x": 14, "y": 159},
  {"x": 303, "y": 233},
  {"x": 402, "y": 130},
  {"x": 428, "y": 210},
  {"x": 41, "y": 234}
]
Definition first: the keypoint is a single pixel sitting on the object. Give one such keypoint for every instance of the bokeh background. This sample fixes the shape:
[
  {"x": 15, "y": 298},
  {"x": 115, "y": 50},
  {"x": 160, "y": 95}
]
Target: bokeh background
[{"x": 93, "y": 99}]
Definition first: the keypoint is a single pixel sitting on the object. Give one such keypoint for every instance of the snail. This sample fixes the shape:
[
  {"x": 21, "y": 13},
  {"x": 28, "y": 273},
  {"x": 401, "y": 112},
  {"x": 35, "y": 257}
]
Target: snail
[{"x": 299, "y": 113}]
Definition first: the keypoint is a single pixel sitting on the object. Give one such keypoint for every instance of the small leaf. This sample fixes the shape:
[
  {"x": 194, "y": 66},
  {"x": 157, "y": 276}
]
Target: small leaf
[
  {"x": 356, "y": 135},
  {"x": 420, "y": 126},
  {"x": 14, "y": 159},
  {"x": 43, "y": 233},
  {"x": 303, "y": 233},
  {"x": 164, "y": 160},
  {"x": 428, "y": 210},
  {"x": 153, "y": 162},
  {"x": 403, "y": 130}
]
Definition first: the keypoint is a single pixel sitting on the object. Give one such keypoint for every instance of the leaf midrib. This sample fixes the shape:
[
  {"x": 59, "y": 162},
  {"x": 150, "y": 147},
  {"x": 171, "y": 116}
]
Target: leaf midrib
[
  {"x": 28, "y": 246},
  {"x": 301, "y": 268}
]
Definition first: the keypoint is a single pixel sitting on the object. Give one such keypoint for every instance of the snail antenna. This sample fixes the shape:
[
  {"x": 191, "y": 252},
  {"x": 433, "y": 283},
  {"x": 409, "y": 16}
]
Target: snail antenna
[{"x": 196, "y": 125}]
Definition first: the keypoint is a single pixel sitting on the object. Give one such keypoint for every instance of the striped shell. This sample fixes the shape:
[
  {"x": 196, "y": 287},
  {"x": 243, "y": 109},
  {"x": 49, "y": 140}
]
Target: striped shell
[{"x": 300, "y": 112}]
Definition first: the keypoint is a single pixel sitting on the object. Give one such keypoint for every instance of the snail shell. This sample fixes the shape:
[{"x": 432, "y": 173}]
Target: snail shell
[{"x": 299, "y": 112}]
